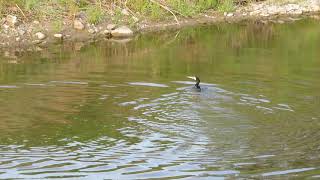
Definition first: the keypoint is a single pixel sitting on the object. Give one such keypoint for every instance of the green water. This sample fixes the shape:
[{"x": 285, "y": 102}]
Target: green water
[{"x": 111, "y": 110}]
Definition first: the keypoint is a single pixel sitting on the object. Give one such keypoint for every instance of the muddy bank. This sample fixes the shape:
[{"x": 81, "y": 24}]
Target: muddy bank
[{"x": 18, "y": 35}]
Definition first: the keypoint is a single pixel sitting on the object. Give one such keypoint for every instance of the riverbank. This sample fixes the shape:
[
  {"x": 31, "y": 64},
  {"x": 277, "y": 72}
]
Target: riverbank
[{"x": 26, "y": 32}]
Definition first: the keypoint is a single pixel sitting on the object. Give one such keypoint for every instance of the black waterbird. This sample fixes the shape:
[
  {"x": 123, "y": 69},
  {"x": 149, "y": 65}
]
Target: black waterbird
[{"x": 197, "y": 86}]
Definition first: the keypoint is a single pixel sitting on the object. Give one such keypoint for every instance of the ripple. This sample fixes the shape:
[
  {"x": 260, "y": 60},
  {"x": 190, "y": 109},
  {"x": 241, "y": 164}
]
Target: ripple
[
  {"x": 148, "y": 84},
  {"x": 70, "y": 82},
  {"x": 8, "y": 87},
  {"x": 288, "y": 171}
]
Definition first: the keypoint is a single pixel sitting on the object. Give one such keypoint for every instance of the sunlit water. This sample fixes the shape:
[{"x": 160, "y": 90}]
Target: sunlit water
[{"x": 127, "y": 111}]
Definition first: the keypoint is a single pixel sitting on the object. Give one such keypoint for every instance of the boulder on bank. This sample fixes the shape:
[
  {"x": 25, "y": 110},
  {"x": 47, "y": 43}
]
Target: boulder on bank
[{"x": 122, "y": 31}]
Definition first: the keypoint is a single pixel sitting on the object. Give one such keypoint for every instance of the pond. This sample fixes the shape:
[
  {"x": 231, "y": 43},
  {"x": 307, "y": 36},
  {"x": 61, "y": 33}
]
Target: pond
[{"x": 110, "y": 110}]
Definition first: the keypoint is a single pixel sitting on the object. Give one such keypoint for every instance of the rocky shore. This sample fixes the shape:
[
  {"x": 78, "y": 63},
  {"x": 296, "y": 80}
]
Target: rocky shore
[{"x": 18, "y": 34}]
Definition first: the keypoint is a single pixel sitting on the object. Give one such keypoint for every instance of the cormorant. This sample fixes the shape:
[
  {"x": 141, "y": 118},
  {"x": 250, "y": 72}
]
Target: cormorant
[{"x": 197, "y": 86}]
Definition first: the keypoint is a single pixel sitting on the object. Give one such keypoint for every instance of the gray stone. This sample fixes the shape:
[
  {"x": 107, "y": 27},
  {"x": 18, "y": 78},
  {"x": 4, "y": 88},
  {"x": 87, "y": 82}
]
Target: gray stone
[
  {"x": 40, "y": 35},
  {"x": 77, "y": 24},
  {"x": 11, "y": 20},
  {"x": 122, "y": 31}
]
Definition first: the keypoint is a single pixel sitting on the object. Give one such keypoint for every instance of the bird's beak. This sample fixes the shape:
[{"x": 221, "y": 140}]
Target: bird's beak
[{"x": 192, "y": 77}]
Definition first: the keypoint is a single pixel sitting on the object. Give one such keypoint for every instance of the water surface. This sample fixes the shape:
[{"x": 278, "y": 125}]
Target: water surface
[{"x": 127, "y": 111}]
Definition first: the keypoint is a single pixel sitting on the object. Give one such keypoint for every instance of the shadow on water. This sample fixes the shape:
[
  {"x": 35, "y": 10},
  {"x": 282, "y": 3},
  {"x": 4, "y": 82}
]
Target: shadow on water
[{"x": 126, "y": 111}]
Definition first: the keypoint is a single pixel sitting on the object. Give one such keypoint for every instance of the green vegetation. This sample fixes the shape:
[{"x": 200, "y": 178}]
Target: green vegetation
[
  {"x": 97, "y": 10},
  {"x": 226, "y": 6}
]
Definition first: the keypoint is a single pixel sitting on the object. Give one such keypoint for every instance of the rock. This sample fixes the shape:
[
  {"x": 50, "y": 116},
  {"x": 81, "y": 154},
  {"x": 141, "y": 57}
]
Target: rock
[
  {"x": 122, "y": 31},
  {"x": 21, "y": 32},
  {"x": 273, "y": 10},
  {"x": 316, "y": 8},
  {"x": 106, "y": 33},
  {"x": 36, "y": 42},
  {"x": 11, "y": 20},
  {"x": 125, "y": 12},
  {"x": 111, "y": 26},
  {"x": 91, "y": 31},
  {"x": 291, "y": 7},
  {"x": 5, "y": 26},
  {"x": 36, "y": 22},
  {"x": 81, "y": 15},
  {"x": 40, "y": 35},
  {"x": 135, "y": 19},
  {"x": 229, "y": 14},
  {"x": 37, "y": 48},
  {"x": 297, "y": 12},
  {"x": 58, "y": 36},
  {"x": 254, "y": 13},
  {"x": 77, "y": 24}
]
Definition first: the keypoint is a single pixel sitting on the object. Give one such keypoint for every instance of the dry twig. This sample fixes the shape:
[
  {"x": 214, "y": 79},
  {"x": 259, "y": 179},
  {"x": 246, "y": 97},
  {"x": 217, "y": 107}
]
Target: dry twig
[
  {"x": 166, "y": 8},
  {"x": 21, "y": 12}
]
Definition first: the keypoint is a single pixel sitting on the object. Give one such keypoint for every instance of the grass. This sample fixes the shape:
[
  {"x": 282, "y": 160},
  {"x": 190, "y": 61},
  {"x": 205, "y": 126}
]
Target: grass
[
  {"x": 95, "y": 14},
  {"x": 98, "y": 10},
  {"x": 226, "y": 6}
]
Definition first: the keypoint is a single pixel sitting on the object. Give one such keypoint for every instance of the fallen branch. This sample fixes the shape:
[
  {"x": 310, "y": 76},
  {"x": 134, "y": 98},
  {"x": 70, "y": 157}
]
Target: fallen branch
[{"x": 166, "y": 8}]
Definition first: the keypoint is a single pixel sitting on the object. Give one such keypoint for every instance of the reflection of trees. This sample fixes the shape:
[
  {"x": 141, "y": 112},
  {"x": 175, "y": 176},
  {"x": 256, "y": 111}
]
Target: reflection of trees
[{"x": 250, "y": 52}]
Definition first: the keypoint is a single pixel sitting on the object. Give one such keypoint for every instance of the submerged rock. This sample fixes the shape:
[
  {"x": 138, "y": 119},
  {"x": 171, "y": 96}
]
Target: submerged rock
[
  {"x": 77, "y": 24},
  {"x": 122, "y": 31}
]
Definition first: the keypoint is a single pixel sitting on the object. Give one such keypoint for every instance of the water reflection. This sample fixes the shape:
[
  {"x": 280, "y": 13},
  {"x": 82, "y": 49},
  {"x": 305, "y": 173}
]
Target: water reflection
[{"x": 126, "y": 111}]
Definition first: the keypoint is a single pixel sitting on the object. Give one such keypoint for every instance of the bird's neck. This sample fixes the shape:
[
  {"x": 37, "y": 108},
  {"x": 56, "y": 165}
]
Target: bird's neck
[{"x": 197, "y": 85}]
